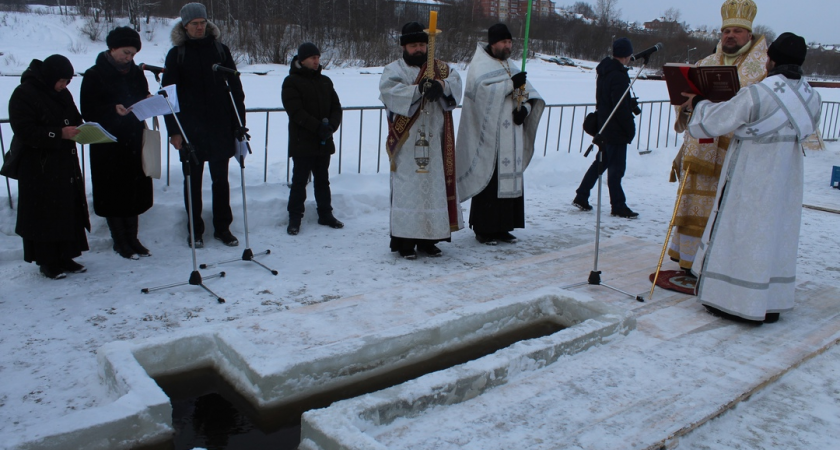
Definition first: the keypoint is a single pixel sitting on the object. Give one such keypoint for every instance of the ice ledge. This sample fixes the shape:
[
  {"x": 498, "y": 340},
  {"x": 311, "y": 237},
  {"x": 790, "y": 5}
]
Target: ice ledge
[{"x": 142, "y": 412}]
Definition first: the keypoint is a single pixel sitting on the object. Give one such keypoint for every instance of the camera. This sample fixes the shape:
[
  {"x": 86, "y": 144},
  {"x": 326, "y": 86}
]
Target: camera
[{"x": 634, "y": 105}]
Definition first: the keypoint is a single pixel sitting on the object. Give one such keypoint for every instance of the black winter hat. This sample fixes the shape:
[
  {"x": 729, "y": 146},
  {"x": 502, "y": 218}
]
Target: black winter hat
[
  {"x": 306, "y": 50},
  {"x": 54, "y": 68},
  {"x": 498, "y": 32},
  {"x": 622, "y": 48},
  {"x": 413, "y": 32},
  {"x": 123, "y": 37},
  {"x": 788, "y": 48}
]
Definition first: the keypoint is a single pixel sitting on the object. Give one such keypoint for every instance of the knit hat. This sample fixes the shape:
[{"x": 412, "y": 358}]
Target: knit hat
[
  {"x": 498, "y": 32},
  {"x": 54, "y": 68},
  {"x": 622, "y": 48},
  {"x": 738, "y": 13},
  {"x": 123, "y": 37},
  {"x": 306, "y": 50},
  {"x": 788, "y": 48},
  {"x": 192, "y": 11},
  {"x": 413, "y": 32}
]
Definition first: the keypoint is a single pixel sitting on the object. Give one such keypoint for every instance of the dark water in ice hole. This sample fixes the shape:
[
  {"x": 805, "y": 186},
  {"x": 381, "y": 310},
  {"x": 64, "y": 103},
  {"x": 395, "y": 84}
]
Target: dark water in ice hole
[{"x": 207, "y": 412}]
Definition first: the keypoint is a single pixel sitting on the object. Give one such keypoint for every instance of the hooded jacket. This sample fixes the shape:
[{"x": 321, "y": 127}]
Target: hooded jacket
[
  {"x": 309, "y": 98},
  {"x": 51, "y": 203},
  {"x": 120, "y": 187},
  {"x": 610, "y": 86},
  {"x": 207, "y": 113}
]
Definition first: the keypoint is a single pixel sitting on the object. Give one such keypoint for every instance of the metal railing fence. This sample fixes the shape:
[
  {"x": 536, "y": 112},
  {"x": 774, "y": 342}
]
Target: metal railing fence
[{"x": 359, "y": 143}]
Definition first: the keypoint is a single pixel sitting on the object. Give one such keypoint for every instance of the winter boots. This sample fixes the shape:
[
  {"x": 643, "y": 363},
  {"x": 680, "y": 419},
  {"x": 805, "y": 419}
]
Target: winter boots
[{"x": 124, "y": 234}]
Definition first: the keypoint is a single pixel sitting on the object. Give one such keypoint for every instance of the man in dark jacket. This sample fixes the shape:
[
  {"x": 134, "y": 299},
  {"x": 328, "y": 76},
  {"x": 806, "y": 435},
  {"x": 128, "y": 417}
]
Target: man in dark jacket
[
  {"x": 314, "y": 114},
  {"x": 612, "y": 82},
  {"x": 207, "y": 114}
]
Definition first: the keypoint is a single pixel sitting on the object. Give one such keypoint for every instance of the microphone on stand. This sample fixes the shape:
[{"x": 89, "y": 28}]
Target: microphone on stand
[
  {"x": 223, "y": 69},
  {"x": 645, "y": 54},
  {"x": 154, "y": 69}
]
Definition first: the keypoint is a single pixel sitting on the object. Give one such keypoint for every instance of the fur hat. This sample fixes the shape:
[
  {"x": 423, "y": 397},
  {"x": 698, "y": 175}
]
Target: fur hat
[
  {"x": 738, "y": 13},
  {"x": 498, "y": 32},
  {"x": 54, "y": 68},
  {"x": 413, "y": 32},
  {"x": 622, "y": 48},
  {"x": 788, "y": 48},
  {"x": 192, "y": 11},
  {"x": 306, "y": 50},
  {"x": 123, "y": 37}
]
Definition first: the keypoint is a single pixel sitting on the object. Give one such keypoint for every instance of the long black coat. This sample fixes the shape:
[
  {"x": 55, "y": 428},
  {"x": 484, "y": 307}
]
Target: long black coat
[
  {"x": 611, "y": 84},
  {"x": 51, "y": 205},
  {"x": 309, "y": 98},
  {"x": 120, "y": 187},
  {"x": 206, "y": 110}
]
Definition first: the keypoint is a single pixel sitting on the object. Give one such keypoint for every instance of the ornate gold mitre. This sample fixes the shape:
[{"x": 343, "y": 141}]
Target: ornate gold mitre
[{"x": 738, "y": 13}]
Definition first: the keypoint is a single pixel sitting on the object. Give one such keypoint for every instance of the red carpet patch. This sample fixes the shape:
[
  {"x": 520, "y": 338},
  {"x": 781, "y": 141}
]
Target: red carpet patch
[{"x": 675, "y": 280}]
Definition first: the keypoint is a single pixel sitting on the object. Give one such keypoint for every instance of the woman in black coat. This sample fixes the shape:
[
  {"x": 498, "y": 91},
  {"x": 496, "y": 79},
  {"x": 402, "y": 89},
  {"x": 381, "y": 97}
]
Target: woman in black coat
[
  {"x": 52, "y": 210},
  {"x": 121, "y": 190}
]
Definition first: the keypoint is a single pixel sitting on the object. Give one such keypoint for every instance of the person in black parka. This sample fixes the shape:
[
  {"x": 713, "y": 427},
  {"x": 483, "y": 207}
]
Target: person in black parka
[
  {"x": 314, "y": 114},
  {"x": 207, "y": 114},
  {"x": 121, "y": 190},
  {"x": 52, "y": 210},
  {"x": 612, "y": 82}
]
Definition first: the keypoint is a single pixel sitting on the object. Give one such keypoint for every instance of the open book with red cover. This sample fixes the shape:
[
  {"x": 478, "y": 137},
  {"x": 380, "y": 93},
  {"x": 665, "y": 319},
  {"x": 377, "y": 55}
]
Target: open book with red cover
[{"x": 715, "y": 83}]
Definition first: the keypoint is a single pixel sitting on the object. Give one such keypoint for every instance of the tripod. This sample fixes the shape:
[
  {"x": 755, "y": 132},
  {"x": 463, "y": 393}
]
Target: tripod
[
  {"x": 595, "y": 274},
  {"x": 242, "y": 145},
  {"x": 187, "y": 154}
]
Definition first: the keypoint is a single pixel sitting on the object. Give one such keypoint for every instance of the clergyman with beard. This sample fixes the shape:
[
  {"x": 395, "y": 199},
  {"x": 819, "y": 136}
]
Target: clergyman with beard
[
  {"x": 424, "y": 206},
  {"x": 496, "y": 139},
  {"x": 738, "y": 46}
]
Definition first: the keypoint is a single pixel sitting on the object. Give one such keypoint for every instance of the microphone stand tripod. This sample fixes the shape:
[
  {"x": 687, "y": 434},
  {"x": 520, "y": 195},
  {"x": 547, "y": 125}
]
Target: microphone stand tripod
[
  {"x": 242, "y": 137},
  {"x": 595, "y": 274},
  {"x": 187, "y": 154}
]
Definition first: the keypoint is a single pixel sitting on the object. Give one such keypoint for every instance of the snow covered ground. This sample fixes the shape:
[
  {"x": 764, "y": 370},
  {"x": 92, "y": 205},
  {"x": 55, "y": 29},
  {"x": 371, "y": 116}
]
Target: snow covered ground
[{"x": 52, "y": 329}]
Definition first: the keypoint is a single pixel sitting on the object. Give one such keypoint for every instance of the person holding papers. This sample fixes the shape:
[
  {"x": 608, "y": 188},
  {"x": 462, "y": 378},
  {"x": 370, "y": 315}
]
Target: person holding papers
[
  {"x": 52, "y": 210},
  {"x": 121, "y": 189}
]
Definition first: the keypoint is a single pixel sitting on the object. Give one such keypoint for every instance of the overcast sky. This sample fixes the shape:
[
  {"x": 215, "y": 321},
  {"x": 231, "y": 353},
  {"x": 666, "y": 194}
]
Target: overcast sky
[{"x": 815, "y": 20}]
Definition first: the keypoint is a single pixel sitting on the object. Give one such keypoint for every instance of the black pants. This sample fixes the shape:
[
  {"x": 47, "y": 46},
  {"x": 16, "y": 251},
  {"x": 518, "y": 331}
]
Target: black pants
[
  {"x": 491, "y": 215},
  {"x": 615, "y": 163},
  {"x": 319, "y": 166},
  {"x": 222, "y": 215}
]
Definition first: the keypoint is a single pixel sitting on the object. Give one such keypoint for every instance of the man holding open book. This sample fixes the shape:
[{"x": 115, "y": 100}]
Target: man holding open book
[{"x": 703, "y": 158}]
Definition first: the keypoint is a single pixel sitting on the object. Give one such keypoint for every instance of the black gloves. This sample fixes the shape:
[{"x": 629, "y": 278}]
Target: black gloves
[
  {"x": 325, "y": 131},
  {"x": 433, "y": 92},
  {"x": 518, "y": 79},
  {"x": 519, "y": 114},
  {"x": 241, "y": 134}
]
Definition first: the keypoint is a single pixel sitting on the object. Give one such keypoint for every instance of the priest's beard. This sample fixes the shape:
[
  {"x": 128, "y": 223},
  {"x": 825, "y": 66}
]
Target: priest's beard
[
  {"x": 501, "y": 54},
  {"x": 416, "y": 60}
]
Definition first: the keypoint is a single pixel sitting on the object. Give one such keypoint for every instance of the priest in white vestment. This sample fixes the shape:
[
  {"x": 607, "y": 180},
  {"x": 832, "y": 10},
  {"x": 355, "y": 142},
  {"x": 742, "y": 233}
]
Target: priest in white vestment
[
  {"x": 424, "y": 205},
  {"x": 746, "y": 261},
  {"x": 496, "y": 139}
]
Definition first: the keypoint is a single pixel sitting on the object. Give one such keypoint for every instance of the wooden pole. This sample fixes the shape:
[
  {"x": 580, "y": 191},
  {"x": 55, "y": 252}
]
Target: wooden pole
[{"x": 668, "y": 235}]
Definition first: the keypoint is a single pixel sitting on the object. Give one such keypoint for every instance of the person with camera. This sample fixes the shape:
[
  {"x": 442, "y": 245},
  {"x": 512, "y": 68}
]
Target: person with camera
[
  {"x": 496, "y": 136},
  {"x": 314, "y": 114},
  {"x": 121, "y": 190},
  {"x": 424, "y": 202},
  {"x": 207, "y": 115},
  {"x": 611, "y": 85}
]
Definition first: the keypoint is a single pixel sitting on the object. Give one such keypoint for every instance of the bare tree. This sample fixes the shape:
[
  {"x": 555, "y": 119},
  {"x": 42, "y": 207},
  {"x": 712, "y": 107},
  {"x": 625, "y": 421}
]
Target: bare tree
[
  {"x": 584, "y": 9},
  {"x": 766, "y": 31},
  {"x": 607, "y": 12},
  {"x": 671, "y": 15}
]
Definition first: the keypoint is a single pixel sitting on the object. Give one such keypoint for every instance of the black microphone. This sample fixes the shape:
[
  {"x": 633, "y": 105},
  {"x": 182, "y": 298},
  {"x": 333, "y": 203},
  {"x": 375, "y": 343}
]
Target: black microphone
[
  {"x": 223, "y": 69},
  {"x": 645, "y": 54},
  {"x": 154, "y": 69}
]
